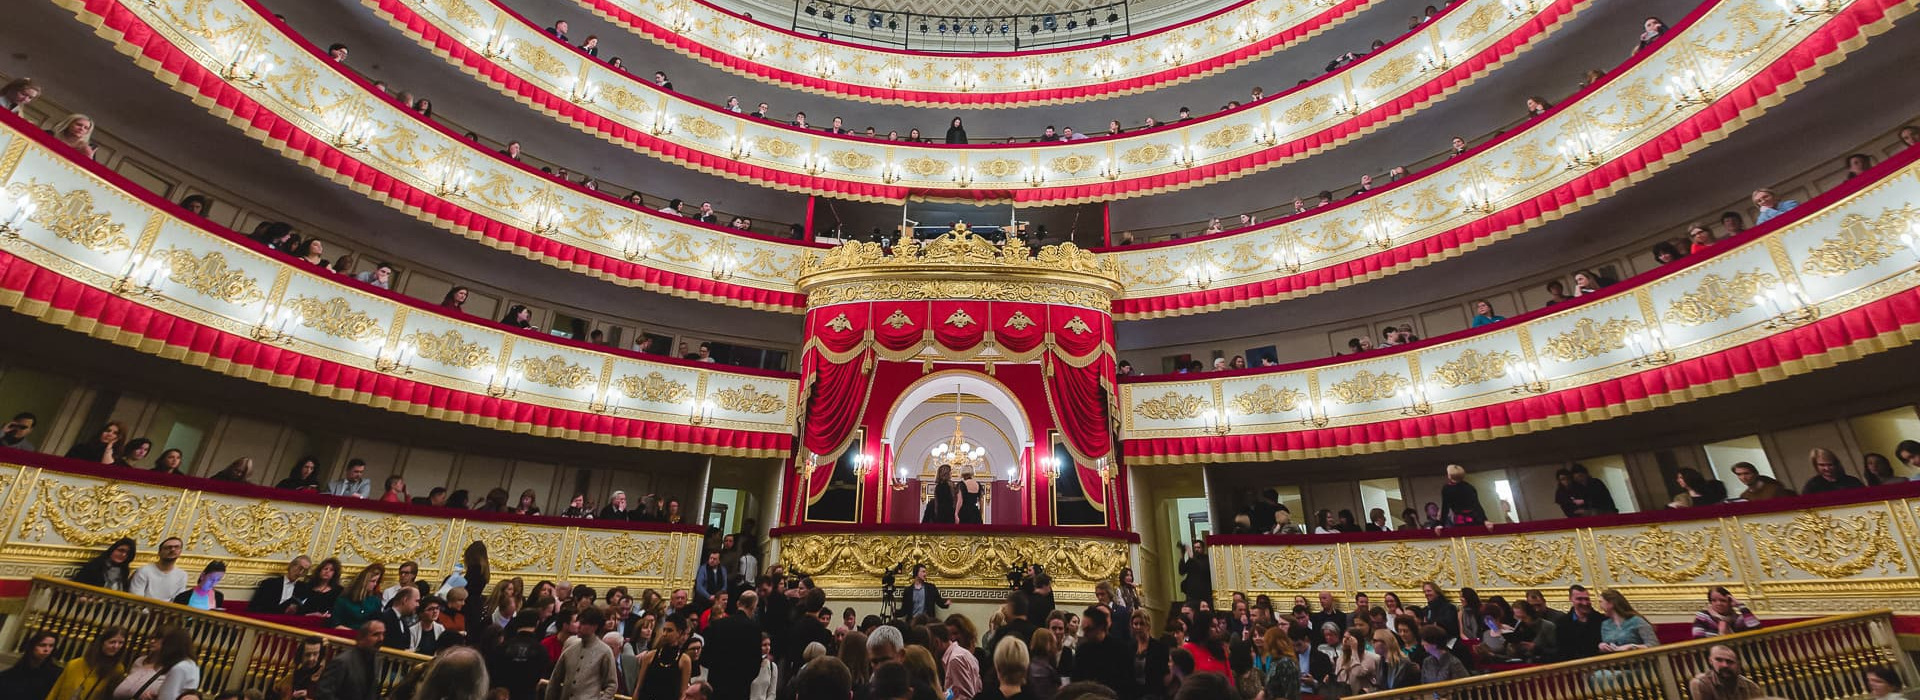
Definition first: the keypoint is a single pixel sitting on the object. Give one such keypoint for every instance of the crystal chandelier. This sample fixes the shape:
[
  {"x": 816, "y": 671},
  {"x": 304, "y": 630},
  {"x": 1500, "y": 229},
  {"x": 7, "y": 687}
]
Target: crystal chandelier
[{"x": 957, "y": 452}]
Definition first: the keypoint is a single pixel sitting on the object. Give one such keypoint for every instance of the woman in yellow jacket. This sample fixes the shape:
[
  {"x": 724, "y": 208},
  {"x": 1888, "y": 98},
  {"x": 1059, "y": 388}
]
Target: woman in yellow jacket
[{"x": 93, "y": 675}]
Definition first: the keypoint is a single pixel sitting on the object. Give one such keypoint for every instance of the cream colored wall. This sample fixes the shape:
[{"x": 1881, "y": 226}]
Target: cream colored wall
[{"x": 1881, "y": 432}]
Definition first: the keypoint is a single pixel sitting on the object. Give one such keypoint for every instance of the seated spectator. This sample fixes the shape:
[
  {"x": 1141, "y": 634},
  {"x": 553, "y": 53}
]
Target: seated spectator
[
  {"x": 1759, "y": 487},
  {"x": 196, "y": 204},
  {"x": 512, "y": 151},
  {"x": 37, "y": 671},
  {"x": 1884, "y": 683},
  {"x": 304, "y": 477},
  {"x": 519, "y": 316},
  {"x": 359, "y": 601},
  {"x": 558, "y": 30},
  {"x": 18, "y": 93},
  {"x": 110, "y": 569},
  {"x": 1880, "y": 471},
  {"x": 1537, "y": 106},
  {"x": 134, "y": 452},
  {"x": 1770, "y": 205},
  {"x": 1483, "y": 313},
  {"x": 337, "y": 52},
  {"x": 205, "y": 594},
  {"x": 1654, "y": 28},
  {"x": 1832, "y": 475},
  {"x": 14, "y": 435},
  {"x": 169, "y": 461},
  {"x": 76, "y": 131},
  {"x": 1665, "y": 252},
  {"x": 616, "y": 508},
  {"x": 1857, "y": 164},
  {"x": 455, "y": 298},
  {"x": 1700, "y": 238},
  {"x": 1696, "y": 490},
  {"x": 395, "y": 490},
  {"x": 279, "y": 595},
  {"x": 1438, "y": 664},
  {"x": 1585, "y": 282},
  {"x": 321, "y": 590},
  {"x": 1623, "y": 629},
  {"x": 102, "y": 449},
  {"x": 1731, "y": 223},
  {"x": 591, "y": 46},
  {"x": 1723, "y": 615},
  {"x": 380, "y": 276},
  {"x": 237, "y": 472},
  {"x": 528, "y": 504},
  {"x": 660, "y": 79},
  {"x": 163, "y": 579},
  {"x": 355, "y": 484}
]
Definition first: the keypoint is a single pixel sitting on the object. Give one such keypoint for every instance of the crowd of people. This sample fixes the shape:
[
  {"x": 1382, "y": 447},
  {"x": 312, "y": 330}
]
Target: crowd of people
[
  {"x": 743, "y": 635},
  {"x": 112, "y": 446}
]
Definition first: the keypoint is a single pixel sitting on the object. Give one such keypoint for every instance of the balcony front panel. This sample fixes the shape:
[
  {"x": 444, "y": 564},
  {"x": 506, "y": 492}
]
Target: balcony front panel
[
  {"x": 1827, "y": 283},
  {"x": 85, "y": 249},
  {"x": 1239, "y": 34}
]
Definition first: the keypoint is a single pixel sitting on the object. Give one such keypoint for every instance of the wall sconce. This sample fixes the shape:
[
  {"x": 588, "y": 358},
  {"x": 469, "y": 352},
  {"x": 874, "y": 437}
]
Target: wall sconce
[
  {"x": 1033, "y": 78},
  {"x": 1789, "y": 304},
  {"x": 1802, "y": 10},
  {"x": 1174, "y": 55},
  {"x": 274, "y": 321},
  {"x": 659, "y": 123},
  {"x": 1289, "y": 258},
  {"x": 889, "y": 173},
  {"x": 699, "y": 412},
  {"x": 741, "y": 148},
  {"x": 1518, "y": 8},
  {"x": 401, "y": 362},
  {"x": 1477, "y": 198},
  {"x": 635, "y": 246},
  {"x": 1015, "y": 479},
  {"x": 965, "y": 177},
  {"x": 966, "y": 80},
  {"x": 894, "y": 77},
  {"x": 1413, "y": 401},
  {"x": 1200, "y": 275},
  {"x": 1689, "y": 89},
  {"x": 862, "y": 464},
  {"x": 244, "y": 65},
  {"x": 824, "y": 67},
  {"x": 1109, "y": 169},
  {"x": 1105, "y": 68},
  {"x": 1034, "y": 176},
  {"x": 901, "y": 479},
  {"x": 141, "y": 277},
  {"x": 1316, "y": 414},
  {"x": 546, "y": 218},
  {"x": 508, "y": 385},
  {"x": 1219, "y": 422},
  {"x": 352, "y": 133},
  {"x": 679, "y": 20},
  {"x": 493, "y": 46},
  {"x": 453, "y": 182},
  {"x": 1379, "y": 236},
  {"x": 1185, "y": 156},
  {"x": 1580, "y": 151},
  {"x": 813, "y": 163},
  {"x": 1268, "y": 134},
  {"x": 722, "y": 267},
  {"x": 1650, "y": 346},
  {"x": 1344, "y": 105},
  {"x": 752, "y": 48},
  {"x": 580, "y": 91},
  {"x": 23, "y": 209},
  {"x": 1435, "y": 59},
  {"x": 1527, "y": 378}
]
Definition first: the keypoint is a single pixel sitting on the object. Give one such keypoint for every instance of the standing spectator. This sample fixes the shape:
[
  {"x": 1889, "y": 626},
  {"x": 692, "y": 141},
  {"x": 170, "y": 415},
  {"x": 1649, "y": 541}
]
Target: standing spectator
[
  {"x": 1043, "y": 672},
  {"x": 355, "y": 484},
  {"x": 520, "y": 662},
  {"x": 35, "y": 674},
  {"x": 88, "y": 677},
  {"x": 1759, "y": 487},
  {"x": 401, "y": 617},
  {"x": 664, "y": 671},
  {"x": 109, "y": 569},
  {"x": 179, "y": 669},
  {"x": 305, "y": 677},
  {"x": 353, "y": 674},
  {"x": 711, "y": 579},
  {"x": 161, "y": 580},
  {"x": 457, "y": 674},
  {"x": 1722, "y": 615},
  {"x": 733, "y": 650},
  {"x": 1196, "y": 573},
  {"x": 1459, "y": 500},
  {"x": 1831, "y": 475},
  {"x": 956, "y": 133},
  {"x": 1591, "y": 496},
  {"x": 17, "y": 430},
  {"x": 961, "y": 672},
  {"x": 1010, "y": 663},
  {"x": 585, "y": 670},
  {"x": 1439, "y": 663}
]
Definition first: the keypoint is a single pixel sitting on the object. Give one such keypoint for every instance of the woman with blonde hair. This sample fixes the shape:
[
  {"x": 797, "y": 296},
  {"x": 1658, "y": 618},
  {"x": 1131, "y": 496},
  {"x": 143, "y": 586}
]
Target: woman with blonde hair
[
  {"x": 76, "y": 131},
  {"x": 505, "y": 601},
  {"x": 1010, "y": 663},
  {"x": 1396, "y": 670},
  {"x": 360, "y": 599},
  {"x": 457, "y": 673}
]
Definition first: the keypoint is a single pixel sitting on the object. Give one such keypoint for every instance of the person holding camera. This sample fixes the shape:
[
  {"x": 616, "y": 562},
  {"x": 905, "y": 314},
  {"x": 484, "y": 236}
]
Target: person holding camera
[{"x": 17, "y": 430}]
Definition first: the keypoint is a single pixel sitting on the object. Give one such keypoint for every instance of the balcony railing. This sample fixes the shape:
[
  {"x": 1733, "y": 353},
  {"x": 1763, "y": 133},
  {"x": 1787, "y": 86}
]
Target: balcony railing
[
  {"x": 234, "y": 653},
  {"x": 983, "y": 34},
  {"x": 1821, "y": 658}
]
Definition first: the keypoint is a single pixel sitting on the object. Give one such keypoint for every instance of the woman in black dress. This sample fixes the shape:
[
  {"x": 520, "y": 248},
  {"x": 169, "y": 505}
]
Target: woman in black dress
[
  {"x": 969, "y": 498},
  {"x": 664, "y": 671},
  {"x": 940, "y": 509}
]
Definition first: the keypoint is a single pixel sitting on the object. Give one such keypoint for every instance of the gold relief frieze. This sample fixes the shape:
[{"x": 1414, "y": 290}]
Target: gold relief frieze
[
  {"x": 1477, "y": 23},
  {"x": 209, "y": 275},
  {"x": 253, "y": 530},
  {"x": 1717, "y": 297},
  {"x": 460, "y": 11},
  {"x": 857, "y": 161},
  {"x": 337, "y": 318},
  {"x": 705, "y": 130},
  {"x": 1293, "y": 568},
  {"x": 625, "y": 554},
  {"x": 1075, "y": 563},
  {"x": 96, "y": 514},
  {"x": 538, "y": 58},
  {"x": 1073, "y": 164},
  {"x": 555, "y": 371},
  {"x": 999, "y": 168},
  {"x": 746, "y": 399},
  {"x": 71, "y": 216},
  {"x": 653, "y": 388},
  {"x": 1525, "y": 560},
  {"x": 1391, "y": 72},
  {"x": 626, "y": 101},
  {"x": 1171, "y": 406},
  {"x": 1665, "y": 556},
  {"x": 924, "y": 167},
  {"x": 1825, "y": 545},
  {"x": 1226, "y": 137},
  {"x": 1404, "y": 566},
  {"x": 1265, "y": 400},
  {"x": 392, "y": 539},
  {"x": 516, "y": 547},
  {"x": 1146, "y": 154},
  {"x": 1862, "y": 242},
  {"x": 1018, "y": 321},
  {"x": 1590, "y": 338},
  {"x": 451, "y": 349},
  {"x": 1474, "y": 367},
  {"x": 1308, "y": 110},
  {"x": 1366, "y": 386},
  {"x": 957, "y": 289}
]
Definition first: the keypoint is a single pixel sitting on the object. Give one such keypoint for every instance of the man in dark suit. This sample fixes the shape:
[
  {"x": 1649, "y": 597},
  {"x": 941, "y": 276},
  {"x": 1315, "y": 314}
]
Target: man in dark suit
[
  {"x": 353, "y": 674},
  {"x": 403, "y": 632},
  {"x": 732, "y": 655},
  {"x": 1102, "y": 656},
  {"x": 711, "y": 579},
  {"x": 274, "y": 595},
  {"x": 921, "y": 596}
]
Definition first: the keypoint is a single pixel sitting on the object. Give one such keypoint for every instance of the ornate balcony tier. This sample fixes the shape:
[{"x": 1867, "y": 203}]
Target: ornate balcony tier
[
  {"x": 92, "y": 251},
  {"x": 1235, "y": 35}
]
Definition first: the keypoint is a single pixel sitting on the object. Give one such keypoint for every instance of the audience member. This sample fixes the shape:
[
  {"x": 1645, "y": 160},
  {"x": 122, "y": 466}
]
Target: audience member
[
  {"x": 1722, "y": 680},
  {"x": 161, "y": 580},
  {"x": 1830, "y": 476}
]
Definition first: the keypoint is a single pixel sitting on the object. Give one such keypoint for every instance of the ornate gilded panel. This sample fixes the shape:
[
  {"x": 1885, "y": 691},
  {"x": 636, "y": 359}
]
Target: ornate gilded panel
[
  {"x": 1366, "y": 386},
  {"x": 746, "y": 399},
  {"x": 653, "y": 388},
  {"x": 337, "y": 317},
  {"x": 555, "y": 371},
  {"x": 517, "y": 547},
  {"x": 624, "y": 554},
  {"x": 1661, "y": 555},
  {"x": 96, "y": 514},
  {"x": 1266, "y": 400},
  {"x": 1403, "y": 565},
  {"x": 210, "y": 275},
  {"x": 1590, "y": 338},
  {"x": 1716, "y": 297},
  {"x": 859, "y": 559},
  {"x": 1862, "y": 242},
  {"x": 252, "y": 530},
  {"x": 1524, "y": 560},
  {"x": 1293, "y": 568},
  {"x": 392, "y": 539},
  {"x": 451, "y": 348},
  {"x": 1171, "y": 406},
  {"x": 1473, "y": 367},
  {"x": 1826, "y": 545},
  {"x": 71, "y": 216}
]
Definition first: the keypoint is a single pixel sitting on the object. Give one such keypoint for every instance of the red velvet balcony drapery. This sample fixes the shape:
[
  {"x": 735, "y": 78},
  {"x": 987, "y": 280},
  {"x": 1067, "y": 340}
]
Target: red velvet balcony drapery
[{"x": 1073, "y": 345}]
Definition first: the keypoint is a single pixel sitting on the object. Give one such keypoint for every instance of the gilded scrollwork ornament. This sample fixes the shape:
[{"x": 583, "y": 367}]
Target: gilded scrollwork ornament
[
  {"x": 1664, "y": 555},
  {"x": 1825, "y": 545},
  {"x": 94, "y": 515}
]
